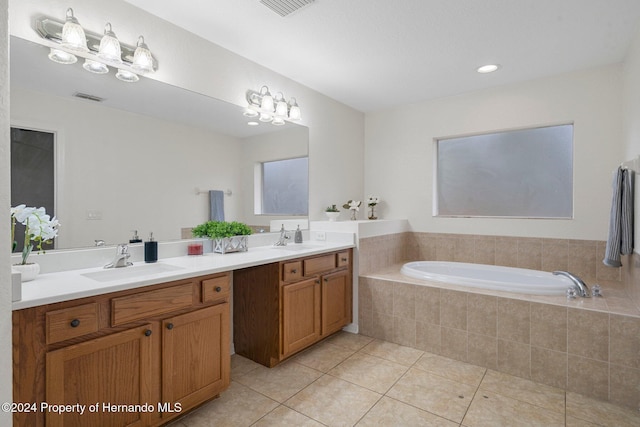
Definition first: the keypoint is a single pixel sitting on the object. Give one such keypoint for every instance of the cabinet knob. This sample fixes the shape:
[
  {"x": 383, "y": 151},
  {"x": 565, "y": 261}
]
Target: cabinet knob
[
  {"x": 344, "y": 259},
  {"x": 318, "y": 282},
  {"x": 326, "y": 280},
  {"x": 218, "y": 289},
  {"x": 75, "y": 323},
  {"x": 147, "y": 332},
  {"x": 294, "y": 271},
  {"x": 169, "y": 326}
]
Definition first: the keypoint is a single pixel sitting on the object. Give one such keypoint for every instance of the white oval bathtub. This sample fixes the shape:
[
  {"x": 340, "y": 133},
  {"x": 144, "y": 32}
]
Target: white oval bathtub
[{"x": 509, "y": 279}]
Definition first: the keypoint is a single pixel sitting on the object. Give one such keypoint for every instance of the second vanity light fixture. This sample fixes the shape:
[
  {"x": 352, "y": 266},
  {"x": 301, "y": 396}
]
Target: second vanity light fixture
[
  {"x": 99, "y": 51},
  {"x": 268, "y": 108}
]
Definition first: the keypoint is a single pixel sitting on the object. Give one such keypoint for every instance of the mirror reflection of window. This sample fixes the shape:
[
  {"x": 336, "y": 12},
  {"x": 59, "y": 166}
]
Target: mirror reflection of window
[
  {"x": 32, "y": 173},
  {"x": 285, "y": 187}
]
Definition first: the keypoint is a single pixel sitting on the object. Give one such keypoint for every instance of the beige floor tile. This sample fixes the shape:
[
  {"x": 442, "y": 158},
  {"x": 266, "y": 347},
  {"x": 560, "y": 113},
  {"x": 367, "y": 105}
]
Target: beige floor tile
[
  {"x": 238, "y": 406},
  {"x": 241, "y": 365},
  {"x": 281, "y": 382},
  {"x": 395, "y": 353},
  {"x": 368, "y": 371},
  {"x": 599, "y": 412},
  {"x": 392, "y": 413},
  {"x": 333, "y": 402},
  {"x": 323, "y": 356},
  {"x": 285, "y": 417},
  {"x": 451, "y": 369},
  {"x": 433, "y": 393},
  {"x": 348, "y": 340},
  {"x": 541, "y": 395},
  {"x": 577, "y": 422},
  {"x": 491, "y": 409}
]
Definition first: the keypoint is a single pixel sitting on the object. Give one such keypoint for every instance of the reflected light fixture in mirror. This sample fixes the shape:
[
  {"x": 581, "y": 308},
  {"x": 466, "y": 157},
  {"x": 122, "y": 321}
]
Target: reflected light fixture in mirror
[
  {"x": 99, "y": 51},
  {"x": 269, "y": 109}
]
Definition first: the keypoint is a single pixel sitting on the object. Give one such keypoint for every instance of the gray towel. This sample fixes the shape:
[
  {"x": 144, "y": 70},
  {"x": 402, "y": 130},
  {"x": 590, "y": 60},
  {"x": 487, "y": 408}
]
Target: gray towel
[
  {"x": 620, "y": 241},
  {"x": 216, "y": 205}
]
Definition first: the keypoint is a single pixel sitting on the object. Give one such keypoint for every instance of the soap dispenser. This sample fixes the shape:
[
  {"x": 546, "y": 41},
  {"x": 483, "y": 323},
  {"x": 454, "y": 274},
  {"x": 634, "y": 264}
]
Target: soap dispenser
[
  {"x": 151, "y": 250},
  {"x": 298, "y": 236},
  {"x": 135, "y": 238}
]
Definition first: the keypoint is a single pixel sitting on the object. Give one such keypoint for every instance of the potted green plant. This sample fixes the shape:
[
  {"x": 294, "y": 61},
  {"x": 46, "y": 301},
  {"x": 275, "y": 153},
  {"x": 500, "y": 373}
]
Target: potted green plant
[
  {"x": 226, "y": 236},
  {"x": 332, "y": 212}
]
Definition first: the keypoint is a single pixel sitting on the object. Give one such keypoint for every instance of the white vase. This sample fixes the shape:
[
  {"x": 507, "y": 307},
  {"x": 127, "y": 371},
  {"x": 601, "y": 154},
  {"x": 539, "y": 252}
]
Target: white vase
[
  {"x": 27, "y": 271},
  {"x": 332, "y": 215}
]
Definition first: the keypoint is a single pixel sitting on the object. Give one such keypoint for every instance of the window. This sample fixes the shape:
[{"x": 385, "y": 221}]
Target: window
[
  {"x": 285, "y": 187},
  {"x": 521, "y": 173}
]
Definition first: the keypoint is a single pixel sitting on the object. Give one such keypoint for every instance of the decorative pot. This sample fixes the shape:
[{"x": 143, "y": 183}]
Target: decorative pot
[
  {"x": 227, "y": 245},
  {"x": 27, "y": 271},
  {"x": 333, "y": 216}
]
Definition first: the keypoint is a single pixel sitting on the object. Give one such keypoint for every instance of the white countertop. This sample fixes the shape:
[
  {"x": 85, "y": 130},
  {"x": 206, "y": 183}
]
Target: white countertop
[{"x": 73, "y": 284}]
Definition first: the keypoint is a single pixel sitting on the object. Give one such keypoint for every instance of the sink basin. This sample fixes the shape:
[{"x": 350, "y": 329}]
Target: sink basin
[
  {"x": 295, "y": 247},
  {"x": 128, "y": 272}
]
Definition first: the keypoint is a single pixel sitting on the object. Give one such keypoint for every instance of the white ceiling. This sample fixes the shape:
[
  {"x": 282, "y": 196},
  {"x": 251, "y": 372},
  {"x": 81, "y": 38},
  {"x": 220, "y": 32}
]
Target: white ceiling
[{"x": 377, "y": 54}]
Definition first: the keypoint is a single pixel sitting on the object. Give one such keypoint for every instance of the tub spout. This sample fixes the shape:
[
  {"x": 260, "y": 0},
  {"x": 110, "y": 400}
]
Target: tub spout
[{"x": 581, "y": 287}]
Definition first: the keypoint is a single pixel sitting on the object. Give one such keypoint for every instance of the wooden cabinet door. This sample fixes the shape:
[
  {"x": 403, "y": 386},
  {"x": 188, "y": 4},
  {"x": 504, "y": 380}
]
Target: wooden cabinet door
[
  {"x": 300, "y": 322},
  {"x": 336, "y": 302},
  {"x": 115, "y": 369},
  {"x": 195, "y": 357}
]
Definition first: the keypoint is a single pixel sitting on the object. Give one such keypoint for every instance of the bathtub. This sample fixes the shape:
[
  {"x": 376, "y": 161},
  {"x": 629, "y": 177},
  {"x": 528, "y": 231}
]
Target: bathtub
[{"x": 509, "y": 279}]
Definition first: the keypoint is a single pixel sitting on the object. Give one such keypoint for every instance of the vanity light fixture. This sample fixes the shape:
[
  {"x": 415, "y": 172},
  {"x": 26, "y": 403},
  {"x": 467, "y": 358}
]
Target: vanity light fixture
[
  {"x": 489, "y": 68},
  {"x": 100, "y": 51},
  {"x": 269, "y": 108}
]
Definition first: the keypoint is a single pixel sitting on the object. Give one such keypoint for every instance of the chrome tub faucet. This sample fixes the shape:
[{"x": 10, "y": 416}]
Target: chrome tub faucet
[{"x": 581, "y": 287}]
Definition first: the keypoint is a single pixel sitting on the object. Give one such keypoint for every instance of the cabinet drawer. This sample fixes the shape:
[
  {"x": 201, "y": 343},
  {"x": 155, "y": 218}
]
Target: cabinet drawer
[
  {"x": 291, "y": 271},
  {"x": 215, "y": 288},
  {"x": 319, "y": 264},
  {"x": 342, "y": 259},
  {"x": 151, "y": 303},
  {"x": 71, "y": 322}
]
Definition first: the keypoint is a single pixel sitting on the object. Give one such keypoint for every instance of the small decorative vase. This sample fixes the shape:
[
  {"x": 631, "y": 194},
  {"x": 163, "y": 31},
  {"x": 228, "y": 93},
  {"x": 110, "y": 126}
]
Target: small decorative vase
[
  {"x": 28, "y": 271},
  {"x": 333, "y": 216},
  {"x": 353, "y": 214},
  {"x": 372, "y": 213}
]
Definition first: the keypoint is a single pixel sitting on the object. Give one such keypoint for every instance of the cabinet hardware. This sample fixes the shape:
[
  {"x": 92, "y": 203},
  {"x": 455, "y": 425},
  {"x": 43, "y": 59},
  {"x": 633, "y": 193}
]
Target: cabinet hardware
[
  {"x": 169, "y": 326},
  {"x": 75, "y": 323},
  {"x": 218, "y": 289},
  {"x": 147, "y": 332},
  {"x": 294, "y": 271},
  {"x": 317, "y": 281}
]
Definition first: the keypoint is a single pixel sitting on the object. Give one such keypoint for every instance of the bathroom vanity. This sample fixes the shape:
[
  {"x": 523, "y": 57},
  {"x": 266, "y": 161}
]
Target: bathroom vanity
[{"x": 141, "y": 345}]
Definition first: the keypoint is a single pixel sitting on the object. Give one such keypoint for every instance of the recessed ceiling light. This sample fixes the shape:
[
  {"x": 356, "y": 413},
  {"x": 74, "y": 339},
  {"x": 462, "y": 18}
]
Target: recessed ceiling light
[
  {"x": 489, "y": 68},
  {"x": 253, "y": 123}
]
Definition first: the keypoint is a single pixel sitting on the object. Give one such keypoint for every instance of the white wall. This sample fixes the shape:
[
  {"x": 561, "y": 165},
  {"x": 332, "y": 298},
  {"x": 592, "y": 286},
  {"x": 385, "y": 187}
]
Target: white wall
[
  {"x": 336, "y": 134},
  {"x": 140, "y": 173},
  {"x": 590, "y": 99},
  {"x": 5, "y": 233},
  {"x": 631, "y": 123}
]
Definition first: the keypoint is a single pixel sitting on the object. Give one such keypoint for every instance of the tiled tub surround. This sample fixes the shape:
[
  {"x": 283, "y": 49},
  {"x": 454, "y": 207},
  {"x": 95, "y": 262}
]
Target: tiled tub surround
[{"x": 589, "y": 346}]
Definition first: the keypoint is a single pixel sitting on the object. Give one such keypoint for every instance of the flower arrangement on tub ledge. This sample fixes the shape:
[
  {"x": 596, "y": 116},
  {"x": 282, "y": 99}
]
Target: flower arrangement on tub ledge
[
  {"x": 354, "y": 207},
  {"x": 332, "y": 212},
  {"x": 39, "y": 228},
  {"x": 372, "y": 201},
  {"x": 227, "y": 236}
]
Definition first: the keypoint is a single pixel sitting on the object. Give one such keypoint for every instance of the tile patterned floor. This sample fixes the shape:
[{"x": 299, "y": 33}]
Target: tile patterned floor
[{"x": 354, "y": 380}]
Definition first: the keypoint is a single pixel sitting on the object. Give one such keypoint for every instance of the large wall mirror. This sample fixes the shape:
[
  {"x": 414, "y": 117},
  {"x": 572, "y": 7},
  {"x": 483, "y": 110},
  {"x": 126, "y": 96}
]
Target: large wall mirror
[{"x": 144, "y": 156}]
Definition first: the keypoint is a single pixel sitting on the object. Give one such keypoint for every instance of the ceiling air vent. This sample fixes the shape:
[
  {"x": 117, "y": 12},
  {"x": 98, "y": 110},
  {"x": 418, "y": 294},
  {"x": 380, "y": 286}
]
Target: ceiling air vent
[
  {"x": 285, "y": 7},
  {"x": 88, "y": 97}
]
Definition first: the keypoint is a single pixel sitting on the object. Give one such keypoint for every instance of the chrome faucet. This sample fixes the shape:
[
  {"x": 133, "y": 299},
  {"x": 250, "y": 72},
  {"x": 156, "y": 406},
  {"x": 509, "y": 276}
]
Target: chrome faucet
[
  {"x": 282, "y": 241},
  {"x": 581, "y": 287},
  {"x": 122, "y": 257}
]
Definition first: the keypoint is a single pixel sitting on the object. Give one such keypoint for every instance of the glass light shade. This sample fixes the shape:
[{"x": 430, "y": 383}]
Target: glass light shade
[
  {"x": 127, "y": 76},
  {"x": 142, "y": 59},
  {"x": 294, "y": 110},
  {"x": 110, "y": 46},
  {"x": 267, "y": 100},
  {"x": 250, "y": 112},
  {"x": 265, "y": 117},
  {"x": 61, "y": 57},
  {"x": 278, "y": 121},
  {"x": 95, "y": 67},
  {"x": 73, "y": 36},
  {"x": 281, "y": 108}
]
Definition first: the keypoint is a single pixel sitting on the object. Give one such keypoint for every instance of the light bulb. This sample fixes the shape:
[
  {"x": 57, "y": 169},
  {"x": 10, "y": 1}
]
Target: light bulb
[
  {"x": 95, "y": 67},
  {"x": 61, "y": 57},
  {"x": 127, "y": 76}
]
